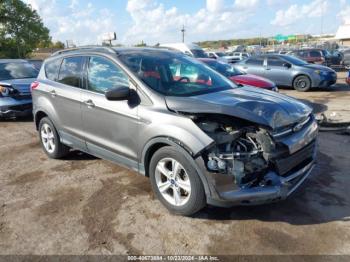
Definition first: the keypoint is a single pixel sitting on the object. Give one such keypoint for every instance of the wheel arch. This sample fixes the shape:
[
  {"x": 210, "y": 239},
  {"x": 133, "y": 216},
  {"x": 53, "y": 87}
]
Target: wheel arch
[
  {"x": 156, "y": 143},
  {"x": 302, "y": 74},
  {"x": 38, "y": 116}
]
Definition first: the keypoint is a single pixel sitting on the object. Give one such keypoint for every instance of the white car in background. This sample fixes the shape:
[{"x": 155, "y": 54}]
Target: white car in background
[
  {"x": 186, "y": 48},
  {"x": 221, "y": 56},
  {"x": 239, "y": 55}
]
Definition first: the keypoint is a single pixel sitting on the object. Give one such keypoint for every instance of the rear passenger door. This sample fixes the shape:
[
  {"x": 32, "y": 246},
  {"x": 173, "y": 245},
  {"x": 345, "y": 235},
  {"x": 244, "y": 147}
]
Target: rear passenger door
[
  {"x": 65, "y": 94},
  {"x": 110, "y": 127},
  {"x": 254, "y": 66}
]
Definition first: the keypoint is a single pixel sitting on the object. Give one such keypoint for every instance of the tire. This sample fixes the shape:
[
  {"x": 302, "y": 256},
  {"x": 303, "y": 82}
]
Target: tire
[
  {"x": 186, "y": 182},
  {"x": 302, "y": 83},
  {"x": 51, "y": 143}
]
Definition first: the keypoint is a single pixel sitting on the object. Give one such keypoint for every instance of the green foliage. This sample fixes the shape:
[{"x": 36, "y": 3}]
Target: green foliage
[
  {"x": 21, "y": 29},
  {"x": 142, "y": 44}
]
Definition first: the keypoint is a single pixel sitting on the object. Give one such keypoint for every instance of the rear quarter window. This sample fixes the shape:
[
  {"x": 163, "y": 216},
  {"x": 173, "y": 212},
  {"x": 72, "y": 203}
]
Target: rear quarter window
[{"x": 51, "y": 69}]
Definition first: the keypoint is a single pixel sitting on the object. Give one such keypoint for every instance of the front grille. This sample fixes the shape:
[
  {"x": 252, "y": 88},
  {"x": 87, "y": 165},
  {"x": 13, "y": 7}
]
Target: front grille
[{"x": 304, "y": 155}]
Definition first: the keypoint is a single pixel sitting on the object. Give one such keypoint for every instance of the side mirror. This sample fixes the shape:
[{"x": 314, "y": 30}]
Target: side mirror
[
  {"x": 118, "y": 93},
  {"x": 288, "y": 65}
]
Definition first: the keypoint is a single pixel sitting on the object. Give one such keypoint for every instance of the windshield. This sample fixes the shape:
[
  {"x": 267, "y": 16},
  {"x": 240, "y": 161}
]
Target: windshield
[
  {"x": 17, "y": 70},
  {"x": 294, "y": 60},
  {"x": 174, "y": 74},
  {"x": 198, "y": 53},
  {"x": 224, "y": 69}
]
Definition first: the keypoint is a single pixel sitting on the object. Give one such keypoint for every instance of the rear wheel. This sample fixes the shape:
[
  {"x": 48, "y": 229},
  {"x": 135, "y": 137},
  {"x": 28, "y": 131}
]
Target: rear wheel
[
  {"x": 302, "y": 83},
  {"x": 50, "y": 140},
  {"x": 176, "y": 182}
]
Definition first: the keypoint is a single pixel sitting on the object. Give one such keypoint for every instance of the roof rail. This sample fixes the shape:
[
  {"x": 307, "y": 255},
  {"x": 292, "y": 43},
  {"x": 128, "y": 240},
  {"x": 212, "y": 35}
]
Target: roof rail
[{"x": 106, "y": 48}]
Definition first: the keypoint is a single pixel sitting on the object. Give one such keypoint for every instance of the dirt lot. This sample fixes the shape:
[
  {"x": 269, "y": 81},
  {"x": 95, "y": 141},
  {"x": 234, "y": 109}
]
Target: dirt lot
[{"x": 84, "y": 205}]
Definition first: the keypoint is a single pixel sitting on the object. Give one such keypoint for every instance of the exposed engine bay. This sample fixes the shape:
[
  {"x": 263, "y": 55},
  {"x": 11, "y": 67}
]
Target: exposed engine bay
[{"x": 240, "y": 149}]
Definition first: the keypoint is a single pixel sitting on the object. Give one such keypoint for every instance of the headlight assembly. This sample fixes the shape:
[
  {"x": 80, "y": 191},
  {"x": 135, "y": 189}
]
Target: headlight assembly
[{"x": 5, "y": 91}]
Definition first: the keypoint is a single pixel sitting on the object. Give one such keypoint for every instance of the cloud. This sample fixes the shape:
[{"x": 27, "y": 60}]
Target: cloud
[
  {"x": 246, "y": 4},
  {"x": 295, "y": 13},
  {"x": 160, "y": 21},
  {"x": 153, "y": 22},
  {"x": 344, "y": 15},
  {"x": 82, "y": 23},
  {"x": 215, "y": 5}
]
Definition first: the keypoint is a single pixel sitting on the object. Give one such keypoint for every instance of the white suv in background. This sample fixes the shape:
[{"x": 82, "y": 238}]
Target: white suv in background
[{"x": 188, "y": 49}]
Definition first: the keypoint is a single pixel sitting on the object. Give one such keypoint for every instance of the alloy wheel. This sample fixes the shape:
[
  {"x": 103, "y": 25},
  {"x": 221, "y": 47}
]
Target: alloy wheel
[
  {"x": 173, "y": 182},
  {"x": 48, "y": 138}
]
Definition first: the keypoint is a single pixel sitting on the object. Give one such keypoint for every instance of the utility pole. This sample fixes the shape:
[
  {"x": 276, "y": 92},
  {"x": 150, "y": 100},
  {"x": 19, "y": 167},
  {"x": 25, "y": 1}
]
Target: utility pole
[
  {"x": 183, "y": 33},
  {"x": 322, "y": 14}
]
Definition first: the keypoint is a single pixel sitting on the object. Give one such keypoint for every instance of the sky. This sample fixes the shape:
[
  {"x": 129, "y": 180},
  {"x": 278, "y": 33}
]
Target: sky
[{"x": 160, "y": 21}]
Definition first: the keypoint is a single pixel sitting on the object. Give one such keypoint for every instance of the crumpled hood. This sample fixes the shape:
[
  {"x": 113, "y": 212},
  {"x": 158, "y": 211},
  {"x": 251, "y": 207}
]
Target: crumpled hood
[
  {"x": 256, "y": 105},
  {"x": 319, "y": 67},
  {"x": 22, "y": 85}
]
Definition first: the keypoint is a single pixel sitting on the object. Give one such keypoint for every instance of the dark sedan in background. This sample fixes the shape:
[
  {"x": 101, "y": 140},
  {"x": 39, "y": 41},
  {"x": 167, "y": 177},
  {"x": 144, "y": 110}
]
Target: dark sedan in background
[
  {"x": 289, "y": 71},
  {"x": 318, "y": 56},
  {"x": 16, "y": 77},
  {"x": 237, "y": 76}
]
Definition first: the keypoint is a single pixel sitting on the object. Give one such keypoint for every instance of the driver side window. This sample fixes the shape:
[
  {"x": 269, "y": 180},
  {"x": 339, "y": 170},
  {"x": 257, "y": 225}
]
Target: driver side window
[{"x": 104, "y": 75}]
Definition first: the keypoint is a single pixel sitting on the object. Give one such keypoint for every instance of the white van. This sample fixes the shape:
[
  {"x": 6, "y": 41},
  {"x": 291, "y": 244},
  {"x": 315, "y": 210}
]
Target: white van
[{"x": 188, "y": 49}]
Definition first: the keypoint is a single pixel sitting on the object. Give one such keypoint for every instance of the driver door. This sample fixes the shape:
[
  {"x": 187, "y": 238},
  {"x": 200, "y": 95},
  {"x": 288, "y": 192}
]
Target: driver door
[
  {"x": 277, "y": 71},
  {"x": 110, "y": 126}
]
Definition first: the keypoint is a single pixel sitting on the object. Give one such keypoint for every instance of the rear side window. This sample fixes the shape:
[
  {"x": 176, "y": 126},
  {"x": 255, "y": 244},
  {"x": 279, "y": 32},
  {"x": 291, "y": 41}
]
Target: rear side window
[
  {"x": 255, "y": 61},
  {"x": 315, "y": 54},
  {"x": 70, "y": 71},
  {"x": 51, "y": 69}
]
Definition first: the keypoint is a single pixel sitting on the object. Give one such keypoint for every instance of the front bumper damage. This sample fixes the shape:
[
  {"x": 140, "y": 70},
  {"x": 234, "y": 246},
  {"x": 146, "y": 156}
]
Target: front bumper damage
[
  {"x": 284, "y": 175},
  {"x": 280, "y": 188},
  {"x": 15, "y": 107}
]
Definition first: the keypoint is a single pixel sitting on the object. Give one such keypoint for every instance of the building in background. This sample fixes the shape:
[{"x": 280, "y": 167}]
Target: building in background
[{"x": 343, "y": 34}]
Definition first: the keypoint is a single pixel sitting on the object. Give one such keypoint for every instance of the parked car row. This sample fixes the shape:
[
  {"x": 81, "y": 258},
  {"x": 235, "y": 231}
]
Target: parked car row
[
  {"x": 238, "y": 76},
  {"x": 318, "y": 56},
  {"x": 285, "y": 70},
  {"x": 200, "y": 138}
]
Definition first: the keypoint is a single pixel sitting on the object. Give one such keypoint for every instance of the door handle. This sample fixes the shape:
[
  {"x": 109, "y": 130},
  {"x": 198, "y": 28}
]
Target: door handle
[
  {"x": 53, "y": 93},
  {"x": 267, "y": 68},
  {"x": 89, "y": 103},
  {"x": 245, "y": 67}
]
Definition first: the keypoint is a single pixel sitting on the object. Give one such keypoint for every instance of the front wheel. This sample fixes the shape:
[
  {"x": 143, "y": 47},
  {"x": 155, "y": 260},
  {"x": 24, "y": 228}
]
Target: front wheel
[
  {"x": 176, "y": 182},
  {"x": 302, "y": 83}
]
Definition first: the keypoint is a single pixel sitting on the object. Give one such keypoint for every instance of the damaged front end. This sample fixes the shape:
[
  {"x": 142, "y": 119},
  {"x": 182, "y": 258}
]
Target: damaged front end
[{"x": 250, "y": 164}]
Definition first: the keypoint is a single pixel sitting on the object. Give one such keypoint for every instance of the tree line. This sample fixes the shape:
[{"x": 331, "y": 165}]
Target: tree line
[{"x": 22, "y": 30}]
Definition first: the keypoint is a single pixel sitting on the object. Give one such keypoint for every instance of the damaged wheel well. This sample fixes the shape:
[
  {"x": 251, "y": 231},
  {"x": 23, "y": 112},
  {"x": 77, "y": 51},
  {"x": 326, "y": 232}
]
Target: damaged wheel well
[
  {"x": 150, "y": 152},
  {"x": 162, "y": 142}
]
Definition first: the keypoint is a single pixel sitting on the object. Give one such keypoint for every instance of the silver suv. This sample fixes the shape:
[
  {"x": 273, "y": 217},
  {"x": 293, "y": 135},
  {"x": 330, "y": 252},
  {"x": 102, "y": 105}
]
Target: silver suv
[{"x": 201, "y": 139}]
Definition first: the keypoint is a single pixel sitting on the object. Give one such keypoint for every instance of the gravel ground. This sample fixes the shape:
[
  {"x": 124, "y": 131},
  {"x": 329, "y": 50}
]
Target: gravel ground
[
  {"x": 332, "y": 102},
  {"x": 85, "y": 205}
]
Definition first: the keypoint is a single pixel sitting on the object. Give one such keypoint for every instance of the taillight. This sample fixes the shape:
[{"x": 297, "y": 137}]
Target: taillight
[{"x": 34, "y": 85}]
